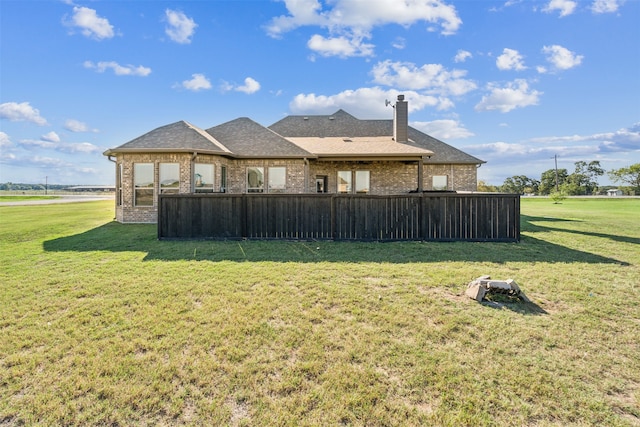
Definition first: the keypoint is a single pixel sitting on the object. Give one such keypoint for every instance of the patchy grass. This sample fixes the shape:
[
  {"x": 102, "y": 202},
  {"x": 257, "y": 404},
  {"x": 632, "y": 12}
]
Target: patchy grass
[{"x": 100, "y": 323}]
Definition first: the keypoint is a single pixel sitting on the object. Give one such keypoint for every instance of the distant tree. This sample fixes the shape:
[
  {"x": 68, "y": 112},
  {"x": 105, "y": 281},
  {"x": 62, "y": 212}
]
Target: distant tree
[
  {"x": 558, "y": 196},
  {"x": 630, "y": 175},
  {"x": 584, "y": 180},
  {"x": 486, "y": 188},
  {"x": 548, "y": 180},
  {"x": 520, "y": 184}
]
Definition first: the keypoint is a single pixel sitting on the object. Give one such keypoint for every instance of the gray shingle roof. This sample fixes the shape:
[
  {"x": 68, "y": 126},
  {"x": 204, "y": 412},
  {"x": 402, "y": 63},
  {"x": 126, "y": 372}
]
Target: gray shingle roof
[
  {"x": 343, "y": 124},
  {"x": 178, "y": 136},
  {"x": 246, "y": 138}
]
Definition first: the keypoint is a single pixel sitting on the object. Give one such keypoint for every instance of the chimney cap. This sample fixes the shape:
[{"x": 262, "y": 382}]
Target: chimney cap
[{"x": 400, "y": 97}]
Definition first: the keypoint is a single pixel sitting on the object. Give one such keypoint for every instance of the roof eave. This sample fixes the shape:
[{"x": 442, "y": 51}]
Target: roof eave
[
  {"x": 372, "y": 157},
  {"x": 114, "y": 151}
]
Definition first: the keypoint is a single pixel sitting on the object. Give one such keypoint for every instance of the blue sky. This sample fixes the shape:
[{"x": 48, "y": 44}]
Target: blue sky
[{"x": 511, "y": 82}]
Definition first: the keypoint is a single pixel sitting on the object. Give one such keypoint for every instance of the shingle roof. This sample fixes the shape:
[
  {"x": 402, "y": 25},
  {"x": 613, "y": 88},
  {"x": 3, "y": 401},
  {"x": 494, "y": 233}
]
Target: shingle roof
[
  {"x": 178, "y": 136},
  {"x": 296, "y": 137},
  {"x": 343, "y": 124},
  {"x": 369, "y": 147},
  {"x": 246, "y": 138}
]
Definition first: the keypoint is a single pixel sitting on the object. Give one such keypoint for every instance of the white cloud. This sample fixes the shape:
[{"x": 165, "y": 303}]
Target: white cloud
[
  {"x": 180, "y": 27},
  {"x": 443, "y": 129},
  {"x": 606, "y": 6},
  {"x": 434, "y": 79},
  {"x": 364, "y": 103},
  {"x": 462, "y": 56},
  {"x": 52, "y": 141},
  {"x": 516, "y": 94},
  {"x": 90, "y": 24},
  {"x": 5, "y": 141},
  {"x": 119, "y": 70},
  {"x": 250, "y": 86},
  {"x": 351, "y": 21},
  {"x": 626, "y": 139},
  {"x": 197, "y": 83},
  {"x": 562, "y": 58},
  {"x": 342, "y": 46},
  {"x": 50, "y": 137},
  {"x": 77, "y": 126},
  {"x": 565, "y": 7},
  {"x": 510, "y": 60},
  {"x": 22, "y": 112},
  {"x": 399, "y": 43},
  {"x": 78, "y": 147},
  {"x": 37, "y": 143}
]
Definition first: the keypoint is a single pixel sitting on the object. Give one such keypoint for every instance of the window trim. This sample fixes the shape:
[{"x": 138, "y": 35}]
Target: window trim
[
  {"x": 348, "y": 184},
  {"x": 164, "y": 189},
  {"x": 137, "y": 188},
  {"x": 204, "y": 188},
  {"x": 367, "y": 190},
  {"x": 260, "y": 188},
  {"x": 270, "y": 174},
  {"x": 439, "y": 187}
]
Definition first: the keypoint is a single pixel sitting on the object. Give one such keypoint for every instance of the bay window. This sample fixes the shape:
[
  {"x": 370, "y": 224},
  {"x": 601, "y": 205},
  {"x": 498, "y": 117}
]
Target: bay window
[{"x": 169, "y": 178}]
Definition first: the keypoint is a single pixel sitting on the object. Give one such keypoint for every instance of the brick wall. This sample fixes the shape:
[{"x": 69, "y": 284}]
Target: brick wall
[{"x": 385, "y": 177}]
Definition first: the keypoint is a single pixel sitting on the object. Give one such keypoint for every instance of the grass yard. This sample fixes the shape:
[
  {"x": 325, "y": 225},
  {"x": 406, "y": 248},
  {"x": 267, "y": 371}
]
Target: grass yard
[{"x": 102, "y": 324}]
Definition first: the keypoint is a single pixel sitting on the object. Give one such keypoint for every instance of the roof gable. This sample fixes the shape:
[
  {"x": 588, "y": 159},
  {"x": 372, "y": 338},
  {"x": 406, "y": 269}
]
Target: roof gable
[
  {"x": 246, "y": 138},
  {"x": 339, "y": 124},
  {"x": 178, "y": 136}
]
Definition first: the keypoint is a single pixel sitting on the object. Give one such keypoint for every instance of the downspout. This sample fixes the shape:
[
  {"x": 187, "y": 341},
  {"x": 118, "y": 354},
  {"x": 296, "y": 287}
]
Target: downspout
[
  {"x": 117, "y": 195},
  {"x": 306, "y": 175},
  {"x": 420, "y": 175},
  {"x": 192, "y": 171}
]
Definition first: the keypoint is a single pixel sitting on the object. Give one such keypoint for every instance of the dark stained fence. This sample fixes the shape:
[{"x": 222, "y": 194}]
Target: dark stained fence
[{"x": 429, "y": 216}]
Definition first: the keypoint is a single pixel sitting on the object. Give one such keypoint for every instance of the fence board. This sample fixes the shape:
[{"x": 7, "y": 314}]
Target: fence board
[{"x": 433, "y": 217}]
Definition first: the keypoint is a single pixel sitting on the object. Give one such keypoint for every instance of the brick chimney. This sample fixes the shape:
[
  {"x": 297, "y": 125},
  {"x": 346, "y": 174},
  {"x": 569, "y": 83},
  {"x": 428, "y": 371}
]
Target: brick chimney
[{"x": 401, "y": 120}]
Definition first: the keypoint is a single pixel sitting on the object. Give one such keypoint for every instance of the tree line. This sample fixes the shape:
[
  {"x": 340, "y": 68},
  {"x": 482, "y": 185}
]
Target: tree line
[
  {"x": 12, "y": 186},
  {"x": 583, "y": 181}
]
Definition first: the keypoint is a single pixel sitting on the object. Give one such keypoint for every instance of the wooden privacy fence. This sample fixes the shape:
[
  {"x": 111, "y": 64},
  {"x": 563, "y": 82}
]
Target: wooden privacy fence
[{"x": 429, "y": 216}]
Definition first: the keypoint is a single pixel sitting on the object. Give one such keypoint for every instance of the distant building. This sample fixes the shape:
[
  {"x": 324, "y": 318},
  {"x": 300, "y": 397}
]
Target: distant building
[{"x": 614, "y": 192}]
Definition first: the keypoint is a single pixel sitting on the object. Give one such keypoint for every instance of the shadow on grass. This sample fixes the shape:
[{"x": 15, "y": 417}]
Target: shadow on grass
[
  {"x": 116, "y": 237},
  {"x": 514, "y": 304},
  {"x": 529, "y": 226}
]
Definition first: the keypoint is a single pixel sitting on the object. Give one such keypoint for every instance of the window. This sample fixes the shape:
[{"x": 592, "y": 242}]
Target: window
[
  {"x": 223, "y": 179},
  {"x": 439, "y": 182},
  {"x": 203, "y": 178},
  {"x": 362, "y": 181},
  {"x": 277, "y": 179},
  {"x": 143, "y": 184},
  {"x": 347, "y": 178},
  {"x": 255, "y": 180},
  {"x": 321, "y": 184},
  {"x": 119, "y": 185},
  {"x": 344, "y": 182},
  {"x": 169, "y": 178}
]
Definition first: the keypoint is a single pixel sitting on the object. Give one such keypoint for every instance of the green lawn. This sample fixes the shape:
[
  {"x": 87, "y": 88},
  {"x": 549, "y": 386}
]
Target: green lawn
[{"x": 102, "y": 324}]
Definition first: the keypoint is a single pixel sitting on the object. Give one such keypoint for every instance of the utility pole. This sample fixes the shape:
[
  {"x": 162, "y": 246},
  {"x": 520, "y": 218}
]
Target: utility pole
[{"x": 46, "y": 184}]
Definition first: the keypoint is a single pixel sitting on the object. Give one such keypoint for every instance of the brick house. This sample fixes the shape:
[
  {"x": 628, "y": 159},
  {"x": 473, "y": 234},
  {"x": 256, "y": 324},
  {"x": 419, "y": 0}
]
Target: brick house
[{"x": 335, "y": 153}]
